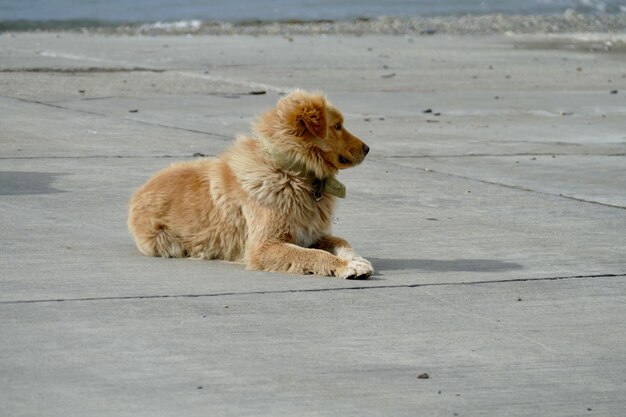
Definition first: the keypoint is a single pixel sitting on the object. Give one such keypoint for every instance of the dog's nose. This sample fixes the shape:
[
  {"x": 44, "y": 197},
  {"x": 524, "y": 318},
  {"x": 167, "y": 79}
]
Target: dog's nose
[{"x": 366, "y": 149}]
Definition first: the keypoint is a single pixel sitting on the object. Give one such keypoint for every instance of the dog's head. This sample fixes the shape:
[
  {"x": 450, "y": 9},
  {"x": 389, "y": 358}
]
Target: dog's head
[{"x": 310, "y": 129}]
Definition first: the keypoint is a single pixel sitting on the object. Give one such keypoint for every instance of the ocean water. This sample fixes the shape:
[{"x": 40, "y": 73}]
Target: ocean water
[{"x": 68, "y": 13}]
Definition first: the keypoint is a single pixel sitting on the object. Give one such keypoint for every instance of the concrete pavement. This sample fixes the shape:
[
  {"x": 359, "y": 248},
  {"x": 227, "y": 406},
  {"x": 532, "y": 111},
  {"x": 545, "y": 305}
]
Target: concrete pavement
[{"x": 495, "y": 221}]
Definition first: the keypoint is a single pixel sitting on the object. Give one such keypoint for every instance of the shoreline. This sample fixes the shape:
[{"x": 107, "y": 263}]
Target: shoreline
[{"x": 568, "y": 22}]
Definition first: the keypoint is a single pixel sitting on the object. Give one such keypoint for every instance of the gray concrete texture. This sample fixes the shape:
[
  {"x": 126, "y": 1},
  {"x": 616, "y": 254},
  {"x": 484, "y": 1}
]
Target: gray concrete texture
[{"x": 496, "y": 223}]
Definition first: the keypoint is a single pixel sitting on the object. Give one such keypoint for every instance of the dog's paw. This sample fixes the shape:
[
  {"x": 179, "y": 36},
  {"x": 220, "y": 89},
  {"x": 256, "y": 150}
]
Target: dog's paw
[{"x": 357, "y": 269}]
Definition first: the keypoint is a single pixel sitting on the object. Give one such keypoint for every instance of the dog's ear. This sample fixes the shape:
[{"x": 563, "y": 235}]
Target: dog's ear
[{"x": 305, "y": 114}]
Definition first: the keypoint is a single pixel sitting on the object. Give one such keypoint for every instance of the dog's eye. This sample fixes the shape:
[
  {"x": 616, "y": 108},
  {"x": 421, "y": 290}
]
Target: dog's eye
[{"x": 338, "y": 126}]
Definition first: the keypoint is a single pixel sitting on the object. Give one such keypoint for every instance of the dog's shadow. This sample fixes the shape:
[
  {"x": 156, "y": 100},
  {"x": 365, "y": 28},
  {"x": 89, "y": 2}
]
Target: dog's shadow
[{"x": 437, "y": 265}]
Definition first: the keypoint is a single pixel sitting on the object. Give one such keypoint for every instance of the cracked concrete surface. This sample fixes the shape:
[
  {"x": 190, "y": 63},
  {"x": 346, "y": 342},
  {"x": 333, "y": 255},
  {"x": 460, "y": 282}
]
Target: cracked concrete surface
[{"x": 496, "y": 227}]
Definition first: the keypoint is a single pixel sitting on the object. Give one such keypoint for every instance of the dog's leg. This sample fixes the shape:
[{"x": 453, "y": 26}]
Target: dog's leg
[
  {"x": 341, "y": 248},
  {"x": 275, "y": 255}
]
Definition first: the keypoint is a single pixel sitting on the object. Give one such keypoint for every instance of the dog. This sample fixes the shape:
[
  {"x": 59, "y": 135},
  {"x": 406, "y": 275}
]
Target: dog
[{"x": 267, "y": 202}]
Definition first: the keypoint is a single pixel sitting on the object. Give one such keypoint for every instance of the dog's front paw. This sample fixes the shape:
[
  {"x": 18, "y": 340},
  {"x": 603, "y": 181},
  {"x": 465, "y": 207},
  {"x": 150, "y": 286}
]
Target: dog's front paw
[{"x": 357, "y": 269}]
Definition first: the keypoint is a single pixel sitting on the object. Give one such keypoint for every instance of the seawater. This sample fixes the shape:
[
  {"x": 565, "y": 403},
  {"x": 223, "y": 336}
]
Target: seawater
[{"x": 66, "y": 13}]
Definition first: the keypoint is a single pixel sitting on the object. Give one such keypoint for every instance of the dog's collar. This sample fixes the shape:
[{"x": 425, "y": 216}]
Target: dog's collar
[{"x": 330, "y": 185}]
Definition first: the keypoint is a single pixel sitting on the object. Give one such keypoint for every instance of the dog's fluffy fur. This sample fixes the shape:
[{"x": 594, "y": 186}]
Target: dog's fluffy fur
[{"x": 256, "y": 203}]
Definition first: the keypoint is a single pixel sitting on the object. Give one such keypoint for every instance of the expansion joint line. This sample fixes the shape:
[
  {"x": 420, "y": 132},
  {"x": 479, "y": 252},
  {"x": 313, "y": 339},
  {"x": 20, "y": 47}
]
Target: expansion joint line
[
  {"x": 362, "y": 287},
  {"x": 520, "y": 188},
  {"x": 143, "y": 122}
]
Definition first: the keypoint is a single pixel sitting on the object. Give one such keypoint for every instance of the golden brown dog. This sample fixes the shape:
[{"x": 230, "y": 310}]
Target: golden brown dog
[{"x": 268, "y": 201}]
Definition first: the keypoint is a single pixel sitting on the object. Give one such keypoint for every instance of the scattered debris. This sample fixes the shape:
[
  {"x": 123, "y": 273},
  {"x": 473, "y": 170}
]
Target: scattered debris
[
  {"x": 133, "y": 111},
  {"x": 390, "y": 75},
  {"x": 614, "y": 91},
  {"x": 427, "y": 111},
  {"x": 436, "y": 114},
  {"x": 566, "y": 113},
  {"x": 81, "y": 91},
  {"x": 257, "y": 92},
  {"x": 198, "y": 154},
  {"x": 423, "y": 375}
]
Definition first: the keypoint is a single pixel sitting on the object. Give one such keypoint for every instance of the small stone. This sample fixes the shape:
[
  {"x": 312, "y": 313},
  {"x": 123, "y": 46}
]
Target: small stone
[
  {"x": 225, "y": 306},
  {"x": 436, "y": 114},
  {"x": 257, "y": 92},
  {"x": 427, "y": 111},
  {"x": 614, "y": 91},
  {"x": 133, "y": 111},
  {"x": 81, "y": 91},
  {"x": 519, "y": 299},
  {"x": 198, "y": 154},
  {"x": 390, "y": 75},
  {"x": 423, "y": 375}
]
